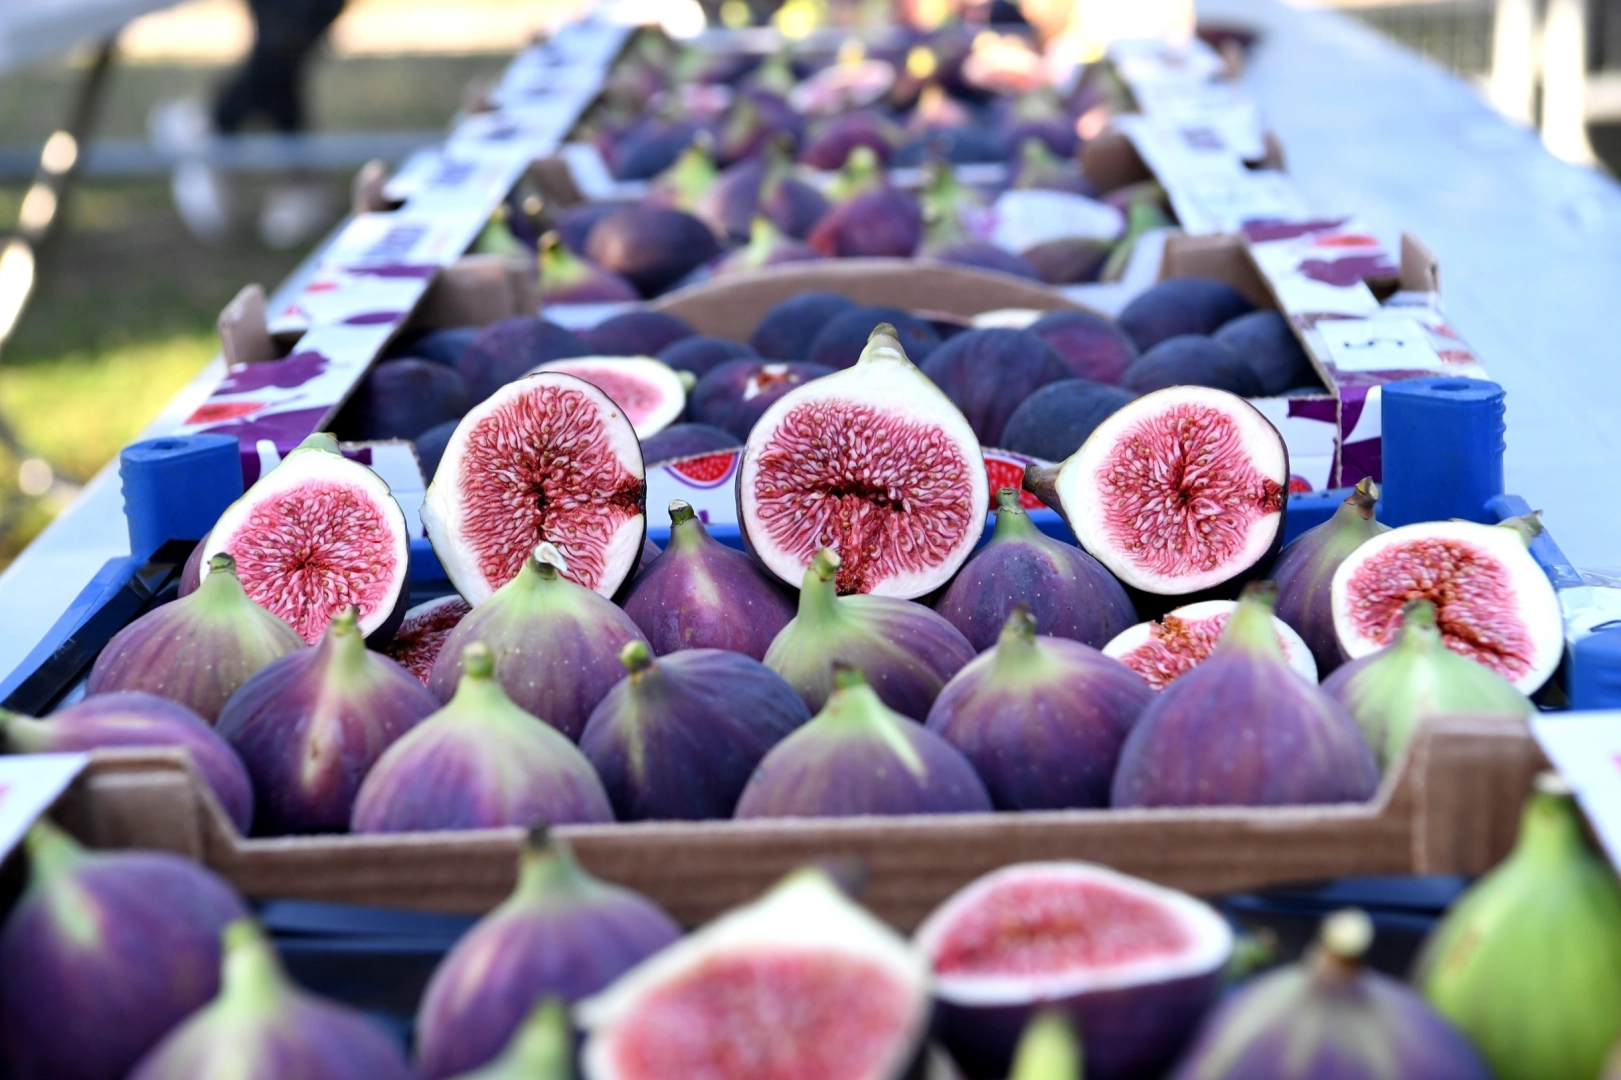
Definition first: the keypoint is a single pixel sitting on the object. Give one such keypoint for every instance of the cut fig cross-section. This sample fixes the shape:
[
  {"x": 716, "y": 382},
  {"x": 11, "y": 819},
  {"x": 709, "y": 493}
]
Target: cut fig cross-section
[
  {"x": 650, "y": 391},
  {"x": 1178, "y": 642},
  {"x": 874, "y": 462},
  {"x": 1182, "y": 490},
  {"x": 548, "y": 458}
]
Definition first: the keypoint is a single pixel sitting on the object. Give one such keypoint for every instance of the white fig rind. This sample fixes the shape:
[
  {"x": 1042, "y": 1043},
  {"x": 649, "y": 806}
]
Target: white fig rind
[
  {"x": 656, "y": 374},
  {"x": 1295, "y": 649}
]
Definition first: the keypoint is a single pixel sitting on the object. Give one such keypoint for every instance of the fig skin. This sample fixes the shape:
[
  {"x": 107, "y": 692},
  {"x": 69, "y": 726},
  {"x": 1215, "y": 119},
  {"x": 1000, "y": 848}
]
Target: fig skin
[
  {"x": 510, "y": 349},
  {"x": 1052, "y": 423},
  {"x": 480, "y": 762},
  {"x": 430, "y": 449},
  {"x": 1042, "y": 719},
  {"x": 400, "y": 399},
  {"x": 102, "y": 954},
  {"x": 883, "y": 223},
  {"x": 556, "y": 644},
  {"x": 262, "y": 1027},
  {"x": 652, "y": 246},
  {"x": 1264, "y": 342},
  {"x": 843, "y": 338},
  {"x": 311, "y": 725},
  {"x": 987, "y": 373},
  {"x": 135, "y": 719},
  {"x": 1186, "y": 305},
  {"x": 736, "y": 394},
  {"x": 636, "y": 333},
  {"x": 767, "y": 246},
  {"x": 830, "y": 143},
  {"x": 561, "y": 934},
  {"x": 197, "y": 650},
  {"x": 680, "y": 737},
  {"x": 700, "y": 594},
  {"x": 907, "y": 652},
  {"x": 1093, "y": 347},
  {"x": 700, "y": 355},
  {"x": 686, "y": 440},
  {"x": 1305, "y": 569},
  {"x": 1191, "y": 360},
  {"x": 857, "y": 757},
  {"x": 788, "y": 329},
  {"x": 542, "y": 1048},
  {"x": 983, "y": 257},
  {"x": 1243, "y": 729},
  {"x": 565, "y": 278}
]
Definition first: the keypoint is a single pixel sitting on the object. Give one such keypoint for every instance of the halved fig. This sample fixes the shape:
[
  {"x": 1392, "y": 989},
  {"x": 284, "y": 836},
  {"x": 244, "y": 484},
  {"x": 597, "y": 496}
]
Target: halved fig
[
  {"x": 874, "y": 462},
  {"x": 650, "y": 392},
  {"x": 422, "y": 634},
  {"x": 1178, "y": 642},
  {"x": 1493, "y": 603},
  {"x": 315, "y": 535},
  {"x": 548, "y": 458},
  {"x": 1178, "y": 491}
]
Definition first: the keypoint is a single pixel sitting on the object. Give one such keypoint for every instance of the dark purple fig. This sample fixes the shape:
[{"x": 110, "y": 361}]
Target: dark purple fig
[
  {"x": 983, "y": 256},
  {"x": 987, "y": 373},
  {"x": 700, "y": 594},
  {"x": 261, "y": 1026},
  {"x": 906, "y": 651},
  {"x": 1071, "y": 261},
  {"x": 648, "y": 152},
  {"x": 686, "y": 440},
  {"x": 788, "y": 329},
  {"x": 440, "y": 346},
  {"x": 1244, "y": 729},
  {"x": 561, "y": 934},
  {"x": 766, "y": 247},
  {"x": 635, "y": 333},
  {"x": 757, "y": 121},
  {"x": 956, "y": 145},
  {"x": 733, "y": 200},
  {"x": 480, "y": 762},
  {"x": 556, "y": 644},
  {"x": 700, "y": 354},
  {"x": 422, "y": 634},
  {"x": 542, "y": 1048},
  {"x": 1093, "y": 347},
  {"x": 680, "y": 737},
  {"x": 512, "y": 348},
  {"x": 401, "y": 399},
  {"x": 196, "y": 650},
  {"x": 1191, "y": 360},
  {"x": 1266, "y": 344},
  {"x": 1039, "y": 167},
  {"x": 884, "y": 223},
  {"x": 565, "y": 278},
  {"x": 574, "y": 223},
  {"x": 858, "y": 757},
  {"x": 1052, "y": 423},
  {"x": 829, "y": 144},
  {"x": 653, "y": 246},
  {"x": 737, "y": 393},
  {"x": 946, "y": 237},
  {"x": 1069, "y": 593},
  {"x": 102, "y": 954},
  {"x": 1305, "y": 569},
  {"x": 686, "y": 181},
  {"x": 844, "y": 337},
  {"x": 311, "y": 725},
  {"x": 135, "y": 719},
  {"x": 430, "y": 449},
  {"x": 1188, "y": 305},
  {"x": 791, "y": 204},
  {"x": 1042, "y": 719}
]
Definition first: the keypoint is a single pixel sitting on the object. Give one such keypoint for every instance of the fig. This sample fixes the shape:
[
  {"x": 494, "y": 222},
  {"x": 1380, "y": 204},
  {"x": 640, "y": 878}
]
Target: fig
[
  {"x": 634, "y": 333},
  {"x": 652, "y": 246},
  {"x": 1269, "y": 348},
  {"x": 1178, "y": 491},
  {"x": 646, "y": 153},
  {"x": 1040, "y": 166},
  {"x": 766, "y": 247},
  {"x": 1244, "y": 729},
  {"x": 1072, "y": 261},
  {"x": 556, "y": 642},
  {"x": 573, "y": 223},
  {"x": 315, "y": 535},
  {"x": 1390, "y": 691},
  {"x": 1047, "y": 1050},
  {"x": 196, "y": 650},
  {"x": 1056, "y": 420},
  {"x": 509, "y": 349},
  {"x": 831, "y": 143},
  {"x": 547, "y": 459},
  {"x": 874, "y": 462},
  {"x": 423, "y": 632},
  {"x": 843, "y": 338},
  {"x": 983, "y": 256},
  {"x": 736, "y": 394},
  {"x": 401, "y": 399},
  {"x": 1069, "y": 594},
  {"x": 701, "y": 355},
  {"x": 1183, "y": 638},
  {"x": 680, "y": 737},
  {"x": 686, "y": 440},
  {"x": 310, "y": 725},
  {"x": 686, "y": 180},
  {"x": 758, "y": 122},
  {"x": 1177, "y": 306},
  {"x": 1093, "y": 347},
  {"x": 700, "y": 594},
  {"x": 565, "y": 278},
  {"x": 1041, "y": 719},
  {"x": 132, "y": 718},
  {"x": 480, "y": 762},
  {"x": 1191, "y": 360},
  {"x": 263, "y": 1027},
  {"x": 791, "y": 204},
  {"x": 1305, "y": 570},
  {"x": 441, "y": 346},
  {"x": 542, "y": 1048},
  {"x": 787, "y": 330},
  {"x": 799, "y": 983},
  {"x": 1329, "y": 1016},
  {"x": 1507, "y": 957},
  {"x": 1493, "y": 603},
  {"x": 882, "y": 223},
  {"x": 1132, "y": 965},
  {"x": 987, "y": 373},
  {"x": 649, "y": 393},
  {"x": 561, "y": 934},
  {"x": 102, "y": 954},
  {"x": 730, "y": 203},
  {"x": 430, "y": 446}
]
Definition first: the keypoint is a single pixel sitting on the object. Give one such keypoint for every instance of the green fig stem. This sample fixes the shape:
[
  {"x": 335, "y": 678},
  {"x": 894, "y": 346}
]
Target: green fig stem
[
  {"x": 1418, "y": 628},
  {"x": 1550, "y": 825},
  {"x": 1016, "y": 645},
  {"x": 320, "y": 440},
  {"x": 221, "y": 590},
  {"x": 478, "y": 664},
  {"x": 547, "y": 866},
  {"x": 681, "y": 512},
  {"x": 21, "y": 734},
  {"x": 818, "y": 596},
  {"x": 1529, "y": 526},
  {"x": 1363, "y": 497},
  {"x": 1251, "y": 624},
  {"x": 636, "y": 657},
  {"x": 557, "y": 262},
  {"x": 1049, "y": 1049},
  {"x": 344, "y": 641},
  {"x": 854, "y": 707},
  {"x": 547, "y": 561},
  {"x": 1011, "y": 520},
  {"x": 1344, "y": 940},
  {"x": 1042, "y": 482},
  {"x": 544, "y": 1046},
  {"x": 51, "y": 851},
  {"x": 847, "y": 677},
  {"x": 251, "y": 980}
]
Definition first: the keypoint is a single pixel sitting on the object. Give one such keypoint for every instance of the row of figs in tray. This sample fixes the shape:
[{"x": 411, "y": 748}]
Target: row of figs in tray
[
  {"x": 145, "y": 965},
  {"x": 917, "y": 671}
]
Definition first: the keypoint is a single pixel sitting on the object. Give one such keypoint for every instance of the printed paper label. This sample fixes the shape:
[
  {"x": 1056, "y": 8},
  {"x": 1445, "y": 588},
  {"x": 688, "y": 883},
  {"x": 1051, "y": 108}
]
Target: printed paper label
[
  {"x": 1379, "y": 345},
  {"x": 1586, "y": 749},
  {"x": 29, "y": 784}
]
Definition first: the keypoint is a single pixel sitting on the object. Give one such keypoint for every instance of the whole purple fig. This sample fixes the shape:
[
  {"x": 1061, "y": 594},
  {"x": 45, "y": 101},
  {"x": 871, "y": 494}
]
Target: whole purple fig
[
  {"x": 1042, "y": 719},
  {"x": 566, "y": 278},
  {"x": 103, "y": 954},
  {"x": 263, "y": 1027},
  {"x": 196, "y": 650},
  {"x": 906, "y": 651},
  {"x": 131, "y": 718},
  {"x": 311, "y": 725},
  {"x": 701, "y": 594},
  {"x": 858, "y": 757},
  {"x": 1305, "y": 569},
  {"x": 767, "y": 246},
  {"x": 562, "y": 933},
  {"x": 556, "y": 643},
  {"x": 1244, "y": 729},
  {"x": 480, "y": 762},
  {"x": 541, "y": 1049},
  {"x": 1068, "y": 592},
  {"x": 680, "y": 737}
]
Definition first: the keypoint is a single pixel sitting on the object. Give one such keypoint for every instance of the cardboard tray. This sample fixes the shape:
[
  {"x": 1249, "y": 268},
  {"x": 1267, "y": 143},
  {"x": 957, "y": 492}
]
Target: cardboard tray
[{"x": 1450, "y": 806}]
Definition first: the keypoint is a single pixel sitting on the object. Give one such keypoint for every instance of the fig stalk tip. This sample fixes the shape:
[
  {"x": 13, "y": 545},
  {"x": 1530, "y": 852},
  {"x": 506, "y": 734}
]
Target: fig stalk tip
[
  {"x": 636, "y": 657},
  {"x": 1347, "y": 935},
  {"x": 680, "y": 511}
]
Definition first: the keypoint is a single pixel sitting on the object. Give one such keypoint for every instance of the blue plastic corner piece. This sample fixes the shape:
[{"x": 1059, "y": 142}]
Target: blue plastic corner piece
[
  {"x": 1543, "y": 549},
  {"x": 1443, "y": 449},
  {"x": 175, "y": 488},
  {"x": 1595, "y": 671},
  {"x": 112, "y": 577}
]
